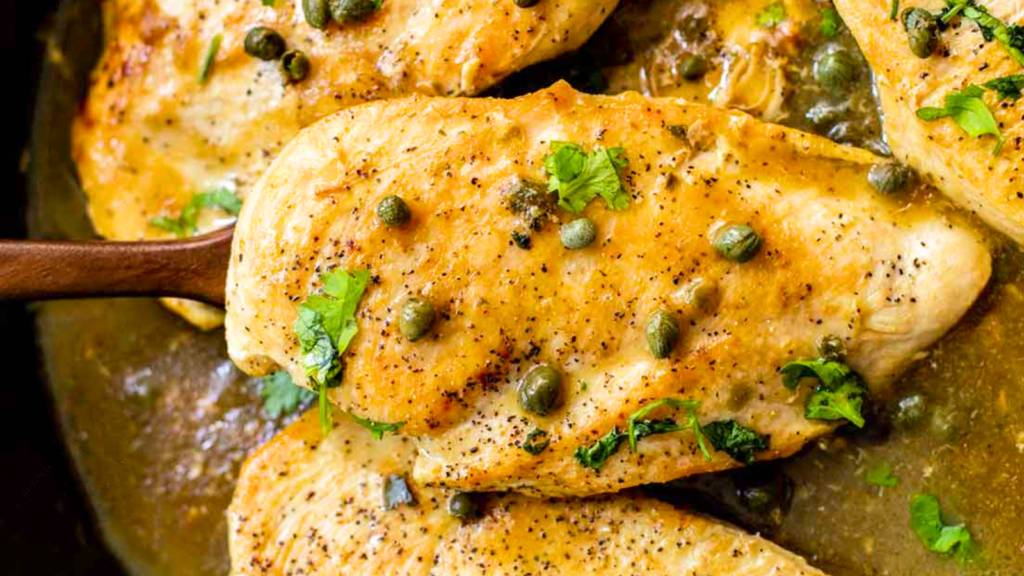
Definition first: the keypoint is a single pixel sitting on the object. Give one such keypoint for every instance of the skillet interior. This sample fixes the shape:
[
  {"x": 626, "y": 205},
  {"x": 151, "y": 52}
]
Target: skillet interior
[{"x": 157, "y": 420}]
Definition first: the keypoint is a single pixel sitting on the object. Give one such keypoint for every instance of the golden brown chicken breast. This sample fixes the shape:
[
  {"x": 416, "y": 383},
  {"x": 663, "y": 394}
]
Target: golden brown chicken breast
[
  {"x": 716, "y": 250},
  {"x": 312, "y": 505},
  {"x": 151, "y": 135},
  {"x": 970, "y": 170}
]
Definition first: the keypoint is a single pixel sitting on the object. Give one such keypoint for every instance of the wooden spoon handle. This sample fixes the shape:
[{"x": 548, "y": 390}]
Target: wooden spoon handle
[{"x": 195, "y": 268}]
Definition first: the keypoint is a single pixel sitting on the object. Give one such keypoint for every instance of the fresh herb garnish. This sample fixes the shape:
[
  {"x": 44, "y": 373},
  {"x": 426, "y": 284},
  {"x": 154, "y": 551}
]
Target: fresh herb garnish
[
  {"x": 595, "y": 455},
  {"x": 772, "y": 15},
  {"x": 281, "y": 395},
  {"x": 206, "y": 66},
  {"x": 894, "y": 10},
  {"x": 377, "y": 429},
  {"x": 735, "y": 439},
  {"x": 926, "y": 520},
  {"x": 1010, "y": 36},
  {"x": 534, "y": 446},
  {"x": 968, "y": 110},
  {"x": 579, "y": 177},
  {"x": 396, "y": 492},
  {"x": 185, "y": 224},
  {"x": 268, "y": 2},
  {"x": 839, "y": 394},
  {"x": 881, "y": 475},
  {"x": 325, "y": 326},
  {"x": 1008, "y": 87},
  {"x": 830, "y": 22}
]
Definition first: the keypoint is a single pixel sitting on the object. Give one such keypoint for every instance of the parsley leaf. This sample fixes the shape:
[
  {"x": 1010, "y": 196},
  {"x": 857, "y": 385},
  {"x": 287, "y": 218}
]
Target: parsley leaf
[
  {"x": 206, "y": 66},
  {"x": 839, "y": 394},
  {"x": 185, "y": 224},
  {"x": 881, "y": 475},
  {"x": 735, "y": 439},
  {"x": 1010, "y": 36},
  {"x": 894, "y": 10},
  {"x": 377, "y": 429},
  {"x": 830, "y": 22},
  {"x": 579, "y": 177},
  {"x": 281, "y": 395},
  {"x": 772, "y": 15},
  {"x": 969, "y": 111},
  {"x": 1008, "y": 87},
  {"x": 926, "y": 520},
  {"x": 268, "y": 2},
  {"x": 324, "y": 327},
  {"x": 533, "y": 446},
  {"x": 595, "y": 455}
]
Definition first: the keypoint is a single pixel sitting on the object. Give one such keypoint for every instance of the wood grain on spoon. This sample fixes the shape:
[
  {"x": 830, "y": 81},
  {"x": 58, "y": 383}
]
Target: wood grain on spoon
[{"x": 194, "y": 268}]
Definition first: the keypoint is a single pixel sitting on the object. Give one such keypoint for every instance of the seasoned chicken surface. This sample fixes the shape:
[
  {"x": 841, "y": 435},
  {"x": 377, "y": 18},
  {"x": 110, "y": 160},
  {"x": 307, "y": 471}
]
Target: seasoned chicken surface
[
  {"x": 884, "y": 275},
  {"x": 964, "y": 168},
  {"x": 311, "y": 505},
  {"x": 150, "y": 136}
]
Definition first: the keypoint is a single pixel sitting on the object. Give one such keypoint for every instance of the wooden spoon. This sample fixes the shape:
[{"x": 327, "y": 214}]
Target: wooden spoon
[{"x": 195, "y": 268}]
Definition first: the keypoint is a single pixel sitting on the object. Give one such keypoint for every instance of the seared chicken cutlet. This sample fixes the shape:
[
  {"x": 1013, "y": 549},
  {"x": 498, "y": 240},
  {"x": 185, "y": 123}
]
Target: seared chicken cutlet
[
  {"x": 151, "y": 136},
  {"x": 311, "y": 505},
  {"x": 971, "y": 171},
  {"x": 722, "y": 249}
]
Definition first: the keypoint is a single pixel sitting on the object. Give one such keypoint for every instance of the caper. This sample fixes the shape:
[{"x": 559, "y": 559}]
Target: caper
[
  {"x": 393, "y": 211},
  {"x": 756, "y": 498},
  {"x": 693, "y": 67},
  {"x": 522, "y": 239},
  {"x": 909, "y": 411},
  {"x": 416, "y": 319},
  {"x": 831, "y": 347},
  {"x": 540, "y": 389},
  {"x": 526, "y": 3},
  {"x": 343, "y": 11},
  {"x": 738, "y": 243},
  {"x": 698, "y": 293},
  {"x": 922, "y": 31},
  {"x": 461, "y": 506},
  {"x": 263, "y": 43},
  {"x": 316, "y": 13},
  {"x": 294, "y": 66},
  {"x": 890, "y": 177},
  {"x": 662, "y": 333},
  {"x": 578, "y": 234},
  {"x": 834, "y": 68}
]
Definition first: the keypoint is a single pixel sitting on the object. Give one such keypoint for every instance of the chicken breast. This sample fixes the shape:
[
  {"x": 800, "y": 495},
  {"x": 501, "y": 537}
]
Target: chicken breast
[
  {"x": 311, "y": 505},
  {"x": 964, "y": 168},
  {"x": 885, "y": 275},
  {"x": 150, "y": 136}
]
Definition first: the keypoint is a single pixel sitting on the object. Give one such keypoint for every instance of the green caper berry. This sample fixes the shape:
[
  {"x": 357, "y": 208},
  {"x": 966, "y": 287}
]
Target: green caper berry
[
  {"x": 922, "y": 31},
  {"x": 831, "y": 347},
  {"x": 890, "y": 177},
  {"x": 834, "y": 69},
  {"x": 738, "y": 242},
  {"x": 521, "y": 239},
  {"x": 526, "y": 3},
  {"x": 578, "y": 234},
  {"x": 393, "y": 211},
  {"x": 540, "y": 389},
  {"x": 263, "y": 43},
  {"x": 909, "y": 411},
  {"x": 693, "y": 67},
  {"x": 756, "y": 498},
  {"x": 416, "y": 319},
  {"x": 294, "y": 66},
  {"x": 316, "y": 13},
  {"x": 343, "y": 11},
  {"x": 662, "y": 332},
  {"x": 461, "y": 506}
]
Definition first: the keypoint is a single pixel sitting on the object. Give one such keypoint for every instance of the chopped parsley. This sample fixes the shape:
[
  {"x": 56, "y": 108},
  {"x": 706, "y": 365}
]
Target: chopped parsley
[
  {"x": 532, "y": 445},
  {"x": 206, "y": 66},
  {"x": 839, "y": 394},
  {"x": 772, "y": 15},
  {"x": 579, "y": 177},
  {"x": 1010, "y": 36},
  {"x": 185, "y": 224},
  {"x": 735, "y": 439},
  {"x": 595, "y": 455},
  {"x": 968, "y": 110},
  {"x": 268, "y": 3},
  {"x": 281, "y": 395},
  {"x": 377, "y": 429},
  {"x": 894, "y": 10},
  {"x": 881, "y": 475},
  {"x": 830, "y": 22},
  {"x": 1008, "y": 87},
  {"x": 324, "y": 327},
  {"x": 926, "y": 520}
]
